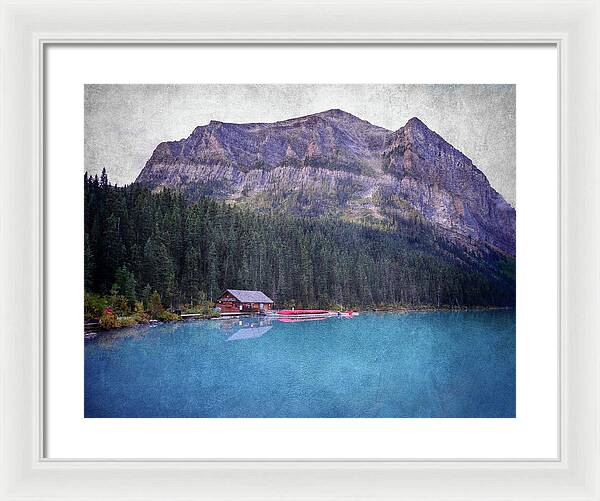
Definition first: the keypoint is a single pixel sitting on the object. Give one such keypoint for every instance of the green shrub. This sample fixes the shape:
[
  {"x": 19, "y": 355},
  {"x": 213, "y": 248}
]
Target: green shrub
[
  {"x": 140, "y": 316},
  {"x": 120, "y": 304},
  {"x": 108, "y": 320},
  {"x": 167, "y": 316},
  {"x": 204, "y": 308},
  {"x": 116, "y": 311},
  {"x": 94, "y": 305}
]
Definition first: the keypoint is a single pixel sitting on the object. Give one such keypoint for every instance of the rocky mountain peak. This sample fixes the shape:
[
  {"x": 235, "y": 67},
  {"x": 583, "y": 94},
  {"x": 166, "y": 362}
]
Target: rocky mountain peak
[
  {"x": 415, "y": 123},
  {"x": 335, "y": 163},
  {"x": 337, "y": 114}
]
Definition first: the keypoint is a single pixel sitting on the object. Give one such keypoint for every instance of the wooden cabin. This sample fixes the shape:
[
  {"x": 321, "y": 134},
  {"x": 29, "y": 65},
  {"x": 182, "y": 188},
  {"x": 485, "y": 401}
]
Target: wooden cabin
[{"x": 238, "y": 301}]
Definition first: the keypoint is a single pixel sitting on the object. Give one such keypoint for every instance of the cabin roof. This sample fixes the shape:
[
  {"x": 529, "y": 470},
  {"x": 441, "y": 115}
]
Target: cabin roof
[{"x": 249, "y": 296}]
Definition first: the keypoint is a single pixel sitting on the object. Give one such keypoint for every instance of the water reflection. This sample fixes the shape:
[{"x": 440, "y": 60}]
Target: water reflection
[
  {"x": 296, "y": 320},
  {"x": 254, "y": 327},
  {"x": 109, "y": 339},
  {"x": 235, "y": 328},
  {"x": 249, "y": 333},
  {"x": 244, "y": 327}
]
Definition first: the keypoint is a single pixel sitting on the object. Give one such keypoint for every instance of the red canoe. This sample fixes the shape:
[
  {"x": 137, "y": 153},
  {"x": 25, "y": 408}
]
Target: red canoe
[
  {"x": 300, "y": 319},
  {"x": 302, "y": 312}
]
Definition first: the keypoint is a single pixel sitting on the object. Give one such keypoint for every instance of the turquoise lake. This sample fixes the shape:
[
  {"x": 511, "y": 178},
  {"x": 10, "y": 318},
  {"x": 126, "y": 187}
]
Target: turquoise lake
[{"x": 380, "y": 365}]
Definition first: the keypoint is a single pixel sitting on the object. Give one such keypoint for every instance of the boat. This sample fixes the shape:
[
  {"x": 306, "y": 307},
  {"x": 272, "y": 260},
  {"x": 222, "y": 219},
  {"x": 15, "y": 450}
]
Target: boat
[{"x": 302, "y": 314}]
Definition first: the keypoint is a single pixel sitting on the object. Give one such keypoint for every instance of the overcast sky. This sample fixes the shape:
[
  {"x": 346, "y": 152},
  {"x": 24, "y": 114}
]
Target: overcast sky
[{"x": 124, "y": 123}]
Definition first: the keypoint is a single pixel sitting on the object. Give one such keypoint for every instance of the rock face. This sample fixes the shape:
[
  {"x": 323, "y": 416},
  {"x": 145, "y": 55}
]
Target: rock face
[
  {"x": 334, "y": 163},
  {"x": 445, "y": 186}
]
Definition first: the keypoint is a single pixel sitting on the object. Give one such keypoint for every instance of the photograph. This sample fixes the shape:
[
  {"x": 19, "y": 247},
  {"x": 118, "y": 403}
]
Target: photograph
[{"x": 299, "y": 250}]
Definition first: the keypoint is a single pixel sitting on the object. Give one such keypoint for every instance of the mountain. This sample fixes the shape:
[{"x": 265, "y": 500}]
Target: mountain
[{"x": 335, "y": 164}]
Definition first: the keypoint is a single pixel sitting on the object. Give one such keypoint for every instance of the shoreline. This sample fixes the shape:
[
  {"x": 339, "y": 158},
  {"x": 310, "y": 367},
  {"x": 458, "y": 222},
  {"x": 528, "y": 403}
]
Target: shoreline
[
  {"x": 91, "y": 330},
  {"x": 417, "y": 309}
]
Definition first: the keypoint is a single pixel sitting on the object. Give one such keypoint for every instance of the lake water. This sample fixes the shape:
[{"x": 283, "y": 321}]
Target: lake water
[{"x": 433, "y": 364}]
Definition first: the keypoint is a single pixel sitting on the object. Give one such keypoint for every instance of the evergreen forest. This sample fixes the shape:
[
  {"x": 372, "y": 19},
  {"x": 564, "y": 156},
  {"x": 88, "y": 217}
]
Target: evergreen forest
[{"x": 139, "y": 244}]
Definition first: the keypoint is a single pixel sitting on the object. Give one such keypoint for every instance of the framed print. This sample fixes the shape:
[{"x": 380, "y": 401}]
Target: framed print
[
  {"x": 325, "y": 260},
  {"x": 449, "y": 258}
]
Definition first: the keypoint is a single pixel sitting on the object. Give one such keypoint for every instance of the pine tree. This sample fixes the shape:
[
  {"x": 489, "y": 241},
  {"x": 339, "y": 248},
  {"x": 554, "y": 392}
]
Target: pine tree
[
  {"x": 125, "y": 284},
  {"x": 104, "y": 178},
  {"x": 88, "y": 262},
  {"x": 213, "y": 272}
]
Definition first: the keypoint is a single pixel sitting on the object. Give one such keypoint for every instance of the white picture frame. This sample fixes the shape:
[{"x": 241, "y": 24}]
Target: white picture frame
[{"x": 27, "y": 28}]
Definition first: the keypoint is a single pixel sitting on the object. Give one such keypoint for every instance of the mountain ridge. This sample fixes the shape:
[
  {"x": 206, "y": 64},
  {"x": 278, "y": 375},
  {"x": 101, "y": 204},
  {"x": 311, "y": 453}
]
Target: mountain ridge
[{"x": 334, "y": 163}]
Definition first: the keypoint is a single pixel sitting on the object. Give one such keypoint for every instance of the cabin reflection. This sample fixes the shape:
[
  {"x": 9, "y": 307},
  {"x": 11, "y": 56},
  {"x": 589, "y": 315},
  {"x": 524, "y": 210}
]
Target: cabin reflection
[
  {"x": 250, "y": 333},
  {"x": 245, "y": 328}
]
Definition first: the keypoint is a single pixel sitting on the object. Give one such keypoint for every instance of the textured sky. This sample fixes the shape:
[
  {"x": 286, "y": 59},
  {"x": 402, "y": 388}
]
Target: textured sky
[{"x": 124, "y": 123}]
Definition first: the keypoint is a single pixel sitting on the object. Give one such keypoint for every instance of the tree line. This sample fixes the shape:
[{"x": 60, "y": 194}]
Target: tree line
[{"x": 138, "y": 243}]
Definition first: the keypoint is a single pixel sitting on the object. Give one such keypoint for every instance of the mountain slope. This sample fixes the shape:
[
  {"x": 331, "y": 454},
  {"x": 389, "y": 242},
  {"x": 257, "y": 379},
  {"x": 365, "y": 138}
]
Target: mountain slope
[
  {"x": 333, "y": 163},
  {"x": 445, "y": 186}
]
